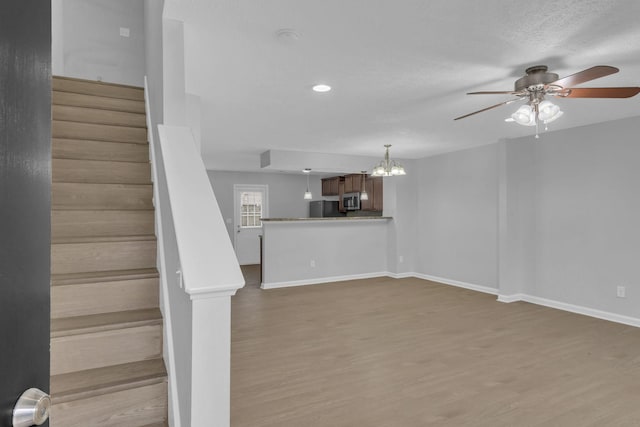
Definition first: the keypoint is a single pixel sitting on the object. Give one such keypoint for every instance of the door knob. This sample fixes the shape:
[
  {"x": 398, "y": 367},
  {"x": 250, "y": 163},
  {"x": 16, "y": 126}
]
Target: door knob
[{"x": 32, "y": 408}]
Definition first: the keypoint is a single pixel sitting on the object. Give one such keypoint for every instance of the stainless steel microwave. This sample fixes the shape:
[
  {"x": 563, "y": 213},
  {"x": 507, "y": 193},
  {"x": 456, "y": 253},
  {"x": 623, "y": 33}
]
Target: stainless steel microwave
[{"x": 351, "y": 201}]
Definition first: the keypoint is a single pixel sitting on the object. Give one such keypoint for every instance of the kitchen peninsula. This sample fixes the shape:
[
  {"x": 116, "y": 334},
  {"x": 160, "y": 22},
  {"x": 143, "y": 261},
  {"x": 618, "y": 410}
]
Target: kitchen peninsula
[{"x": 303, "y": 251}]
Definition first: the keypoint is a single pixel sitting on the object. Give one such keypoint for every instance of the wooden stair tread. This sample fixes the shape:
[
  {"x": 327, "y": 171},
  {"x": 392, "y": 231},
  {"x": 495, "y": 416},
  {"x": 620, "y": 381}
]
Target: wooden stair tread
[
  {"x": 94, "y": 382},
  {"x": 102, "y": 276},
  {"x": 109, "y": 255},
  {"x": 94, "y": 223},
  {"x": 91, "y": 87},
  {"x": 106, "y": 326},
  {"x": 88, "y": 149},
  {"x": 100, "y": 171},
  {"x": 90, "y": 196},
  {"x": 74, "y": 113},
  {"x": 100, "y": 239},
  {"x": 97, "y": 102},
  {"x": 98, "y": 132},
  {"x": 104, "y": 322},
  {"x": 100, "y": 161}
]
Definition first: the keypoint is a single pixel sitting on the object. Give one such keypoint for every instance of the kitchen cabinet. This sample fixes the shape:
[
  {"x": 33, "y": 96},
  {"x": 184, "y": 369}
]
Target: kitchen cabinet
[
  {"x": 377, "y": 193},
  {"x": 374, "y": 188},
  {"x": 353, "y": 183},
  {"x": 341, "y": 207},
  {"x": 330, "y": 186}
]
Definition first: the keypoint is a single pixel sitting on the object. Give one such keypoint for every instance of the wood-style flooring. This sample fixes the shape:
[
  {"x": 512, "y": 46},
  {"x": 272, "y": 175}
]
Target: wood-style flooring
[{"x": 409, "y": 352}]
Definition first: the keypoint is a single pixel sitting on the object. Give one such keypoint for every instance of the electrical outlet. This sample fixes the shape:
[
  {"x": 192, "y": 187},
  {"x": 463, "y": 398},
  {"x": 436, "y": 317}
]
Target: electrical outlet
[
  {"x": 621, "y": 292},
  {"x": 400, "y": 259},
  {"x": 312, "y": 263},
  {"x": 124, "y": 32}
]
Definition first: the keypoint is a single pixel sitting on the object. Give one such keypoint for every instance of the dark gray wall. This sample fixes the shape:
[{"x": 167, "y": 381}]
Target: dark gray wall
[{"x": 25, "y": 201}]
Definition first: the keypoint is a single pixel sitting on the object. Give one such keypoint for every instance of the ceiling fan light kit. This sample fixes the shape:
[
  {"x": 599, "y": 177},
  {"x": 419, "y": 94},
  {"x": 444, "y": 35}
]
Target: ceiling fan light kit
[{"x": 539, "y": 83}]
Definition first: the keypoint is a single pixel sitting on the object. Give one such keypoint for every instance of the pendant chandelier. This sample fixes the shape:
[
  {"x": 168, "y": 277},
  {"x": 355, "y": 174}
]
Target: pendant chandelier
[
  {"x": 307, "y": 194},
  {"x": 363, "y": 194},
  {"x": 388, "y": 167}
]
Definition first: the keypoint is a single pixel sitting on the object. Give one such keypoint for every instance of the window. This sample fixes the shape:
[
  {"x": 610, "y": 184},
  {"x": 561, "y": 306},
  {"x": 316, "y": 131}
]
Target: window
[{"x": 250, "y": 209}]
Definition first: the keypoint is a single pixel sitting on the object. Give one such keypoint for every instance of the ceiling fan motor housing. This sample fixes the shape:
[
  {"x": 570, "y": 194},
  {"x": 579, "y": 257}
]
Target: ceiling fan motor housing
[{"x": 536, "y": 76}]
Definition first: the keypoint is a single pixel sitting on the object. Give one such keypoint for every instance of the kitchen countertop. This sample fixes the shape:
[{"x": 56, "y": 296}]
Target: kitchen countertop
[{"x": 340, "y": 218}]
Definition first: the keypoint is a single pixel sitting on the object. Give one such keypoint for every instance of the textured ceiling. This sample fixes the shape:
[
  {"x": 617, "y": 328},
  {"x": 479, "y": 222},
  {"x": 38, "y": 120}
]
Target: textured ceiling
[{"x": 399, "y": 70}]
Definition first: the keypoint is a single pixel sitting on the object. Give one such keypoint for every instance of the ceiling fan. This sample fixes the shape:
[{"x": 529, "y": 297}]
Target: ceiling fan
[{"x": 539, "y": 83}]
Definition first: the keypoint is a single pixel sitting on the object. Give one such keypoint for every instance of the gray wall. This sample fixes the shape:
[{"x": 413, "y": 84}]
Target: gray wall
[
  {"x": 457, "y": 216},
  {"x": 153, "y": 59},
  {"x": 401, "y": 203},
  {"x": 586, "y": 216},
  {"x": 87, "y": 42},
  {"x": 516, "y": 215},
  {"x": 285, "y": 192},
  {"x": 554, "y": 218}
]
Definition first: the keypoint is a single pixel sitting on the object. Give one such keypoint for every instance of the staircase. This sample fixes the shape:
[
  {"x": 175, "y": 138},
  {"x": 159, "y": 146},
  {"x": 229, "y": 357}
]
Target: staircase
[{"x": 106, "y": 326}]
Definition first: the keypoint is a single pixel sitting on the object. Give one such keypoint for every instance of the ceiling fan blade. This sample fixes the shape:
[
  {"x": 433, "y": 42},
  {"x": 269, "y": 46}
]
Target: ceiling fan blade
[
  {"x": 488, "y": 108},
  {"x": 603, "y": 92},
  {"x": 504, "y": 92},
  {"x": 586, "y": 75}
]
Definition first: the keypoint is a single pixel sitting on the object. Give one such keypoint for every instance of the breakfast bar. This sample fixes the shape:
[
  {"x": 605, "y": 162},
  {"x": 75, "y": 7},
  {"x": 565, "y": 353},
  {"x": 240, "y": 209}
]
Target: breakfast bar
[{"x": 304, "y": 251}]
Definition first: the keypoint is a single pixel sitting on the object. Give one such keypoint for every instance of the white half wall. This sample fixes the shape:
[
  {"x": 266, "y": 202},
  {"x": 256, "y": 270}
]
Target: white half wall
[{"x": 307, "y": 252}]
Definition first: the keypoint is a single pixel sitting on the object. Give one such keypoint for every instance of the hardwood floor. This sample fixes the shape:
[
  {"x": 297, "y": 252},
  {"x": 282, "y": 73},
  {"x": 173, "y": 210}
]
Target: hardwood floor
[{"x": 408, "y": 352}]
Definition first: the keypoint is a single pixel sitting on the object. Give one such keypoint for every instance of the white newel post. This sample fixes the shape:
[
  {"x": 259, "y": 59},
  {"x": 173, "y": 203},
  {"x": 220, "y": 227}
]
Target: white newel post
[{"x": 211, "y": 361}]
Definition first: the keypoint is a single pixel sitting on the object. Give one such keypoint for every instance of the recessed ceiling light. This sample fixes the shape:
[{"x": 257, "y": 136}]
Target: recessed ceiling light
[
  {"x": 321, "y": 88},
  {"x": 287, "y": 35}
]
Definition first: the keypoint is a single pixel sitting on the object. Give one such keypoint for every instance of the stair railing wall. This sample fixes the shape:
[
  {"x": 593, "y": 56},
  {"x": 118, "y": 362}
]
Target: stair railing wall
[
  {"x": 195, "y": 242},
  {"x": 172, "y": 299}
]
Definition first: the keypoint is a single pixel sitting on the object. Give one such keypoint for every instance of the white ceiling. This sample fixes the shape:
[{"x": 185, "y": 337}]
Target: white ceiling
[{"x": 399, "y": 70}]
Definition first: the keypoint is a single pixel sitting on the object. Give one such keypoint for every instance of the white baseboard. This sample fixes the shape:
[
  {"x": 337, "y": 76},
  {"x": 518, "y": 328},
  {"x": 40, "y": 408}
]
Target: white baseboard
[
  {"x": 479, "y": 288},
  {"x": 400, "y": 275},
  {"x": 511, "y": 298},
  {"x": 317, "y": 281},
  {"x": 592, "y": 312},
  {"x": 578, "y": 309}
]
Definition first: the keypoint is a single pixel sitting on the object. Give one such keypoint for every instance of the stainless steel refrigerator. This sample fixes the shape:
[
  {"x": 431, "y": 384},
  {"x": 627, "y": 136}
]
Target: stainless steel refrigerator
[{"x": 324, "y": 209}]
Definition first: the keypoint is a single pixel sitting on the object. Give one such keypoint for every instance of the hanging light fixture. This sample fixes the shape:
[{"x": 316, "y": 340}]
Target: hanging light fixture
[
  {"x": 388, "y": 167},
  {"x": 363, "y": 194},
  {"x": 307, "y": 194},
  {"x": 534, "y": 112}
]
